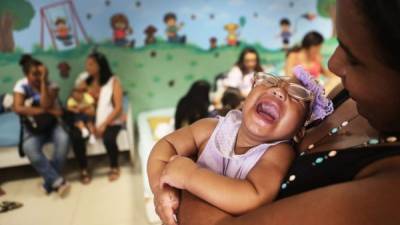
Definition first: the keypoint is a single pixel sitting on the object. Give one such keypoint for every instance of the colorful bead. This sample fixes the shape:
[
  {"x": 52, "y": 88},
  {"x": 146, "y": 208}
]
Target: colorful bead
[
  {"x": 373, "y": 141},
  {"x": 284, "y": 185},
  {"x": 345, "y": 123},
  {"x": 334, "y": 130},
  {"x": 319, "y": 160},
  {"x": 391, "y": 139},
  {"x": 332, "y": 153},
  {"x": 311, "y": 146},
  {"x": 292, "y": 177},
  {"x": 303, "y": 153}
]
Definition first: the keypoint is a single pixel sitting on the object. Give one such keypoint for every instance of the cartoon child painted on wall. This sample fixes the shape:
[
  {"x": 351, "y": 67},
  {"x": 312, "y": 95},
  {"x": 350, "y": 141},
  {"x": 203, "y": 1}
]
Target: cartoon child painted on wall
[
  {"x": 213, "y": 43},
  {"x": 286, "y": 32},
  {"x": 233, "y": 34},
  {"x": 121, "y": 29},
  {"x": 173, "y": 28},
  {"x": 62, "y": 31},
  {"x": 150, "y": 32}
]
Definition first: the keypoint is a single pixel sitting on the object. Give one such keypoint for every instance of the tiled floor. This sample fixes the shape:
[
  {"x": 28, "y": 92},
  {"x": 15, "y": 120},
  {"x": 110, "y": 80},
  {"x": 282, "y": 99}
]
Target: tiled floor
[{"x": 99, "y": 203}]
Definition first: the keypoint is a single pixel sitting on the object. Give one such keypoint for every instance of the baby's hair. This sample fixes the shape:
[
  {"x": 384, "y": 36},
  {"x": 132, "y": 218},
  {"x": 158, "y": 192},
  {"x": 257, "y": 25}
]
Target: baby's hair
[{"x": 231, "y": 99}]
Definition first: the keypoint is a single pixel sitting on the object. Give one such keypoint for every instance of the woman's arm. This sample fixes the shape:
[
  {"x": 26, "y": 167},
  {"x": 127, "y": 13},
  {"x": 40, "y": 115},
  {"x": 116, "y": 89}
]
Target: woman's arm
[
  {"x": 234, "y": 196},
  {"x": 47, "y": 95},
  {"x": 290, "y": 64},
  {"x": 118, "y": 103},
  {"x": 21, "y": 109},
  {"x": 371, "y": 200},
  {"x": 195, "y": 211}
]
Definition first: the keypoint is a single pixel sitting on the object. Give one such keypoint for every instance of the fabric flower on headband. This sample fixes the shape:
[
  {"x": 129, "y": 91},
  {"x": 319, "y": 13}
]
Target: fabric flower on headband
[{"x": 321, "y": 106}]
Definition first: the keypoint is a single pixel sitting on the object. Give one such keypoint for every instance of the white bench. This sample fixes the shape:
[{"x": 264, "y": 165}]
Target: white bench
[{"x": 9, "y": 156}]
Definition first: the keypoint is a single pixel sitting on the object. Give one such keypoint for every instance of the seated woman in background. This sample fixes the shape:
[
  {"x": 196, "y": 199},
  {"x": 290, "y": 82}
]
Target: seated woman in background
[
  {"x": 107, "y": 90},
  {"x": 242, "y": 72},
  {"x": 36, "y": 101},
  {"x": 309, "y": 56},
  {"x": 194, "y": 105}
]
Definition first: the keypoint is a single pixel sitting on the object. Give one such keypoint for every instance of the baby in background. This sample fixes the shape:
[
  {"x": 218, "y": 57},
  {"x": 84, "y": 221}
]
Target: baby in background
[
  {"x": 82, "y": 104},
  {"x": 243, "y": 157}
]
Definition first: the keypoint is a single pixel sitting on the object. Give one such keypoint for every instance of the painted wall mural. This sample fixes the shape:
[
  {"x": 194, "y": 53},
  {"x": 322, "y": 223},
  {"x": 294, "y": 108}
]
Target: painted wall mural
[{"x": 158, "y": 48}]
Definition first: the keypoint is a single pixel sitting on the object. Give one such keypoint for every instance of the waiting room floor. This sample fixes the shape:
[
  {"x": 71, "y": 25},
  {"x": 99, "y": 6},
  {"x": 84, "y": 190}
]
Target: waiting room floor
[{"x": 99, "y": 203}]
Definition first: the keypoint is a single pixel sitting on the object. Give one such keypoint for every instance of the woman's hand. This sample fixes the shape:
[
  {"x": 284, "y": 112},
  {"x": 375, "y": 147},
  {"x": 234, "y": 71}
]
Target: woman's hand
[
  {"x": 178, "y": 171},
  {"x": 99, "y": 131},
  {"x": 166, "y": 202},
  {"x": 57, "y": 112},
  {"x": 43, "y": 73}
]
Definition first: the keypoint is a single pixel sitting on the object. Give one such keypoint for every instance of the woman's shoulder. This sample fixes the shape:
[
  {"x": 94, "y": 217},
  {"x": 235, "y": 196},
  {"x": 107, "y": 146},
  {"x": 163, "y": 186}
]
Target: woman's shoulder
[
  {"x": 20, "y": 85},
  {"x": 115, "y": 80},
  {"x": 22, "y": 81},
  {"x": 234, "y": 70}
]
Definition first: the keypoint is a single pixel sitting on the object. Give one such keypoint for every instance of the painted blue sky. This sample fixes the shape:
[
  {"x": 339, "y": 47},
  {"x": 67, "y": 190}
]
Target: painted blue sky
[{"x": 262, "y": 19}]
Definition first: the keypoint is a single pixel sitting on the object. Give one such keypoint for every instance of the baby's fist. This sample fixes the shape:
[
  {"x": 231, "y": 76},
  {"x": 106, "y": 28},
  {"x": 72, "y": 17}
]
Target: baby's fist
[{"x": 178, "y": 171}]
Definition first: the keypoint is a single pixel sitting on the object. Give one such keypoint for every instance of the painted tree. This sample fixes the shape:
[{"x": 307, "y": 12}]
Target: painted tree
[
  {"x": 15, "y": 15},
  {"x": 327, "y": 8}
]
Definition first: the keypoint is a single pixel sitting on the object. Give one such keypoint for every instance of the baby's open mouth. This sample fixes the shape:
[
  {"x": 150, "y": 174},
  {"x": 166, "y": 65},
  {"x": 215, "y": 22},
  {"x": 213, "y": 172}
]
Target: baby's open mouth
[{"x": 268, "y": 111}]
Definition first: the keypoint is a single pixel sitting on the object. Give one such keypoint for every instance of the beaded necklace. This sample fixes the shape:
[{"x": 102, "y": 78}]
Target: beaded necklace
[
  {"x": 331, "y": 154},
  {"x": 372, "y": 141}
]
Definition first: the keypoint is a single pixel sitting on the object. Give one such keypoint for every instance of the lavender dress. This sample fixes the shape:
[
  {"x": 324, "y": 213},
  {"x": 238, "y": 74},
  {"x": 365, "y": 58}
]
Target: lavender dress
[{"x": 219, "y": 155}]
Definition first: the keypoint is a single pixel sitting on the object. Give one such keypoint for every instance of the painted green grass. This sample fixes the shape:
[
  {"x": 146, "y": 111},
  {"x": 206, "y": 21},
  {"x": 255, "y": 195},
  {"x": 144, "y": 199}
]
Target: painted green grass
[{"x": 147, "y": 72}]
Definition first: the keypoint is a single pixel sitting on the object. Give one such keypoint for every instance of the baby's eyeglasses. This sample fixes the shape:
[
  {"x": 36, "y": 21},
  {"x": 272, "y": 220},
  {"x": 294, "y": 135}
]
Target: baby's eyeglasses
[{"x": 294, "y": 90}]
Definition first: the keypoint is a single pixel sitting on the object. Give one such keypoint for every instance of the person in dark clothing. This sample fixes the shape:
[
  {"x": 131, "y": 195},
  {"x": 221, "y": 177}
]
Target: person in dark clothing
[{"x": 194, "y": 105}]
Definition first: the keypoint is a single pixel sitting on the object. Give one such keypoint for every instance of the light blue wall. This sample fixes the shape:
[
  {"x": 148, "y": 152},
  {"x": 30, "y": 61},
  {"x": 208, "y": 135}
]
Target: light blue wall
[{"x": 263, "y": 28}]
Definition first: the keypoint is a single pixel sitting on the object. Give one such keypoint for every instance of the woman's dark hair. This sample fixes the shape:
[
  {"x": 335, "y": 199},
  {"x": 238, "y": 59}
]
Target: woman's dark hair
[
  {"x": 231, "y": 99},
  {"x": 312, "y": 38},
  {"x": 104, "y": 68},
  {"x": 194, "y": 105},
  {"x": 382, "y": 18},
  {"x": 240, "y": 62},
  {"x": 27, "y": 62}
]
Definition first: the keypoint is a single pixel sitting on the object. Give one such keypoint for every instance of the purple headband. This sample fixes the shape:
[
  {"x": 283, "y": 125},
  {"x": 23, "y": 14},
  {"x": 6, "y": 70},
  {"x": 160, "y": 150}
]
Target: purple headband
[{"x": 321, "y": 106}]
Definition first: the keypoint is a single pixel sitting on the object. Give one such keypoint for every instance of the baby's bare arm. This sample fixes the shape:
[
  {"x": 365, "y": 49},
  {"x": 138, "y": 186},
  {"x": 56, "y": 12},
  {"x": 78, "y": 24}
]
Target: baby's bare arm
[
  {"x": 240, "y": 196},
  {"x": 184, "y": 142}
]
